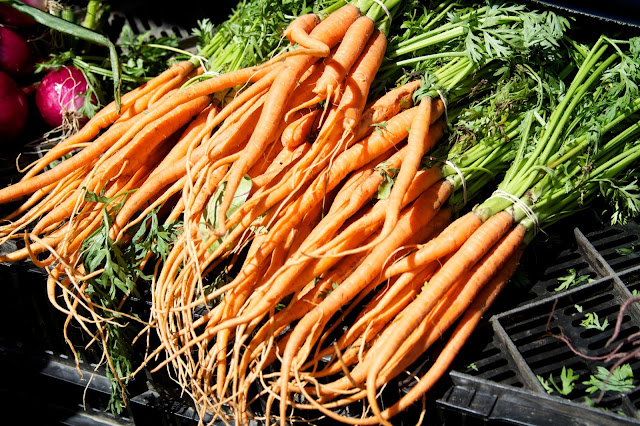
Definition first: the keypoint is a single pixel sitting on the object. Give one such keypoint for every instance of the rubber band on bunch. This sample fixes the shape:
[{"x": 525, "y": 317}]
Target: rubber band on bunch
[
  {"x": 528, "y": 211},
  {"x": 386, "y": 11},
  {"x": 444, "y": 104},
  {"x": 203, "y": 61},
  {"x": 458, "y": 172}
]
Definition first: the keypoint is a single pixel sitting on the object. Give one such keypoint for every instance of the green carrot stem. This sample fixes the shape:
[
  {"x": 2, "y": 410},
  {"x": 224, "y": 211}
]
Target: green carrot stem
[
  {"x": 463, "y": 20},
  {"x": 548, "y": 142}
]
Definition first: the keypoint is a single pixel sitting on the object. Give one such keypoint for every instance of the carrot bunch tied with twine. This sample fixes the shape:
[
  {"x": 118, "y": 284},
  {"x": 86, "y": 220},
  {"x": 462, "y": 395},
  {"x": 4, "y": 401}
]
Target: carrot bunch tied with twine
[
  {"x": 64, "y": 206},
  {"x": 312, "y": 230},
  {"x": 554, "y": 174}
]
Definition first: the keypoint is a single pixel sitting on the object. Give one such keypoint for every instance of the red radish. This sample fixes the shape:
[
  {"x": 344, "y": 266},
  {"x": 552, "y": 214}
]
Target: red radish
[
  {"x": 11, "y": 17},
  {"x": 13, "y": 108},
  {"x": 16, "y": 56},
  {"x": 61, "y": 94}
]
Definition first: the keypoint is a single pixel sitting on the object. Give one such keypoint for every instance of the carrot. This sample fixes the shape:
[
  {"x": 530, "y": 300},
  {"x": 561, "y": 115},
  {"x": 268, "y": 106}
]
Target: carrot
[
  {"x": 303, "y": 93},
  {"x": 389, "y": 105},
  {"x": 298, "y": 32},
  {"x": 358, "y": 82},
  {"x": 305, "y": 303},
  {"x": 467, "y": 324},
  {"x": 171, "y": 169},
  {"x": 277, "y": 259},
  {"x": 82, "y": 226},
  {"x": 447, "y": 242},
  {"x": 166, "y": 171},
  {"x": 33, "y": 209},
  {"x": 191, "y": 132},
  {"x": 330, "y": 31},
  {"x": 140, "y": 198},
  {"x": 62, "y": 211},
  {"x": 264, "y": 301},
  {"x": 418, "y": 184},
  {"x": 337, "y": 67},
  {"x": 375, "y": 315},
  {"x": 507, "y": 257},
  {"x": 242, "y": 99},
  {"x": 239, "y": 131},
  {"x": 434, "y": 226},
  {"x": 418, "y": 144},
  {"x": 197, "y": 90},
  {"x": 376, "y": 145},
  {"x": 360, "y": 154},
  {"x": 266, "y": 161},
  {"x": 258, "y": 348},
  {"x": 340, "y": 63},
  {"x": 286, "y": 224},
  {"x": 356, "y": 196},
  {"x": 134, "y": 154},
  {"x": 299, "y": 130},
  {"x": 212, "y": 178},
  {"x": 285, "y": 159},
  {"x": 381, "y": 140},
  {"x": 33, "y": 248},
  {"x": 240, "y": 282}
]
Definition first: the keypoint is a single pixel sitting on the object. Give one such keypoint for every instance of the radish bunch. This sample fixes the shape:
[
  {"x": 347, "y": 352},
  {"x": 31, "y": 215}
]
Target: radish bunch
[{"x": 59, "y": 95}]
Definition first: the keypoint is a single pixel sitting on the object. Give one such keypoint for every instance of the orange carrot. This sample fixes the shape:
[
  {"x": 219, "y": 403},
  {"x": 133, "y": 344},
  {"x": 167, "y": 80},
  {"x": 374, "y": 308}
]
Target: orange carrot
[
  {"x": 330, "y": 31},
  {"x": 285, "y": 159},
  {"x": 337, "y": 67},
  {"x": 298, "y": 32},
  {"x": 466, "y": 325},
  {"x": 340, "y": 63},
  {"x": 505, "y": 262},
  {"x": 299, "y": 130},
  {"x": 134, "y": 154},
  {"x": 222, "y": 141},
  {"x": 380, "y": 311},
  {"x": 418, "y": 144},
  {"x": 191, "y": 132},
  {"x": 313, "y": 196},
  {"x": 389, "y": 105},
  {"x": 108, "y": 115},
  {"x": 358, "y": 82},
  {"x": 374, "y": 316},
  {"x": 447, "y": 242}
]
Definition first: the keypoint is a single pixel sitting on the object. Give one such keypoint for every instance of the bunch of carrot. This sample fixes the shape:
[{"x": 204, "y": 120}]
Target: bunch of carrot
[
  {"x": 587, "y": 144},
  {"x": 317, "y": 256},
  {"x": 309, "y": 221},
  {"x": 139, "y": 142}
]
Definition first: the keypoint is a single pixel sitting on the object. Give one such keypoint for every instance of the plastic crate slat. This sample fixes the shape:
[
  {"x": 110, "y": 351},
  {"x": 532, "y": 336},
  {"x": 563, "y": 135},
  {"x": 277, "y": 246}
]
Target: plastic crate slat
[
  {"x": 592, "y": 255},
  {"x": 518, "y": 406}
]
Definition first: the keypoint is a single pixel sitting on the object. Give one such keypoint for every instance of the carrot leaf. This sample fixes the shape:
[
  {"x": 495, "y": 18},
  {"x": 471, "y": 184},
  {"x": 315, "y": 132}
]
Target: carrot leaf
[
  {"x": 567, "y": 381},
  {"x": 571, "y": 279},
  {"x": 619, "y": 380},
  {"x": 591, "y": 321}
]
